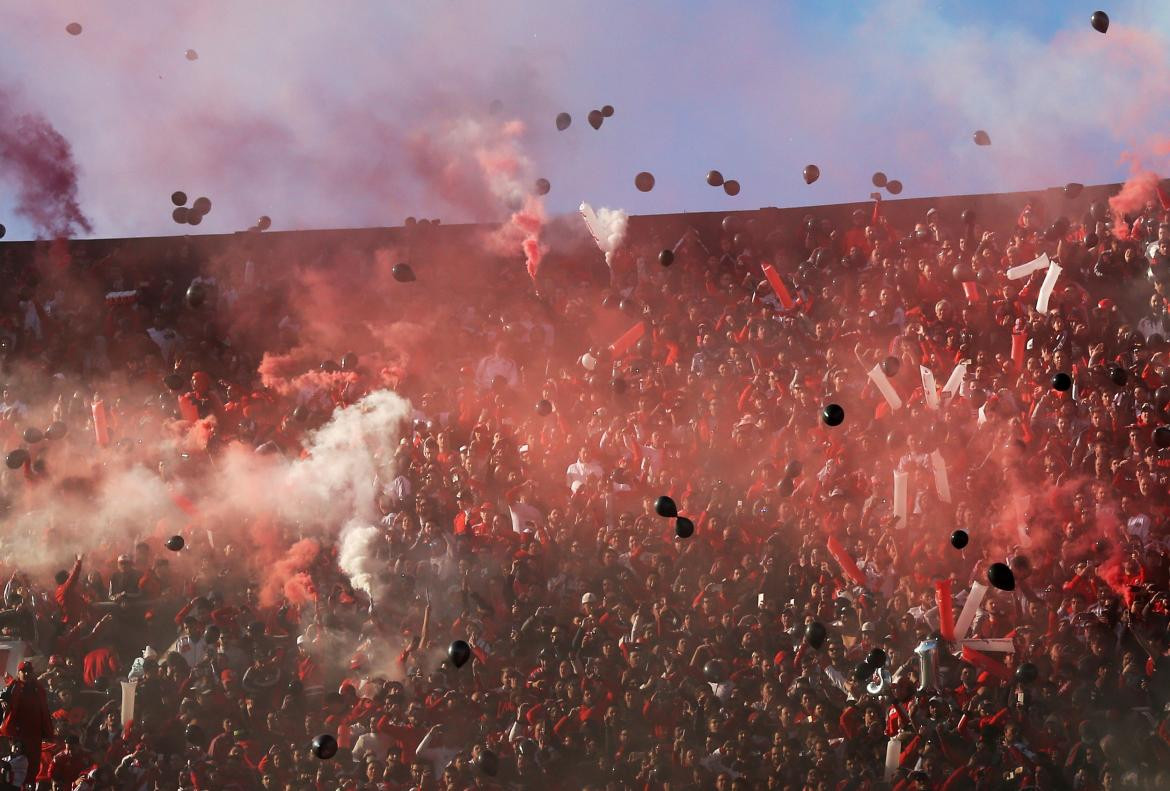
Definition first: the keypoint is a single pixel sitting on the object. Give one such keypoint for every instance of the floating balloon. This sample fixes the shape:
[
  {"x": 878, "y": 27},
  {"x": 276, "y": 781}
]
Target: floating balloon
[
  {"x": 1026, "y": 673},
  {"x": 666, "y": 257},
  {"x": 349, "y": 361},
  {"x": 73, "y": 29},
  {"x": 1091, "y": 240},
  {"x": 894, "y": 187},
  {"x": 330, "y": 367},
  {"x": 1002, "y": 577},
  {"x": 202, "y": 205},
  {"x": 56, "y": 430},
  {"x": 324, "y": 746},
  {"x": 179, "y": 198},
  {"x": 811, "y": 173},
  {"x": 729, "y": 224},
  {"x": 664, "y": 506},
  {"x": 192, "y": 54},
  {"x": 487, "y": 762},
  {"x": 833, "y": 415},
  {"x": 16, "y": 459},
  {"x": 891, "y": 365},
  {"x": 1061, "y": 381},
  {"x": 644, "y": 181},
  {"x": 877, "y": 658},
  {"x": 544, "y": 407},
  {"x": 595, "y": 118},
  {"x": 33, "y": 435},
  {"x": 301, "y": 413},
  {"x": 683, "y": 527},
  {"x": 194, "y": 217},
  {"x": 175, "y": 543},
  {"x": 1117, "y": 374},
  {"x": 543, "y": 186},
  {"x": 459, "y": 652},
  {"x": 714, "y": 670},
  {"x": 607, "y": 111},
  {"x": 786, "y": 487},
  {"x": 982, "y": 138},
  {"x": 731, "y": 187},
  {"x": 1073, "y": 189},
  {"x": 563, "y": 121},
  {"x": 403, "y": 273},
  {"x": 960, "y": 539},
  {"x": 181, "y": 215},
  {"x": 3, "y": 231},
  {"x": 618, "y": 385},
  {"x": 264, "y": 223},
  {"x": 714, "y": 178},
  {"x": 1099, "y": 211},
  {"x": 195, "y": 735},
  {"x": 793, "y": 469},
  {"x": 1099, "y": 20},
  {"x": 815, "y": 634},
  {"x": 1162, "y": 436},
  {"x": 967, "y": 217},
  {"x": 196, "y": 295},
  {"x": 879, "y": 179},
  {"x": 862, "y": 673}
]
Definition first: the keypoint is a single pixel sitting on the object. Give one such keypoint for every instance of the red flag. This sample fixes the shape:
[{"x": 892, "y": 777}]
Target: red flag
[{"x": 778, "y": 286}]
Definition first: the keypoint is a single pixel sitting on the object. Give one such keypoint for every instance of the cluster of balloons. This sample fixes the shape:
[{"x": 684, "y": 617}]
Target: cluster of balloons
[
  {"x": 881, "y": 181},
  {"x": 715, "y": 179},
  {"x": 189, "y": 216},
  {"x": 665, "y": 507},
  {"x": 32, "y": 435}
]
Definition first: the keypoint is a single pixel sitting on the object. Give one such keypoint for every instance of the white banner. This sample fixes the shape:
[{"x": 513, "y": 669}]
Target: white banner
[{"x": 128, "y": 690}]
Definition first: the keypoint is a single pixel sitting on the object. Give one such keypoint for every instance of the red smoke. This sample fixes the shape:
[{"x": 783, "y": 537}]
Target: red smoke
[
  {"x": 289, "y": 576},
  {"x": 40, "y": 161}
]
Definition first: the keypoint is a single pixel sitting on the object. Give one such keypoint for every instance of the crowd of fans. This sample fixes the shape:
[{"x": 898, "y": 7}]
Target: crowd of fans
[{"x": 607, "y": 651}]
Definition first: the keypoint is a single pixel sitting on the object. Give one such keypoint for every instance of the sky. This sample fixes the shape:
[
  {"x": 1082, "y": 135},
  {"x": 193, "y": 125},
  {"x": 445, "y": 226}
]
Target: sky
[{"x": 363, "y": 113}]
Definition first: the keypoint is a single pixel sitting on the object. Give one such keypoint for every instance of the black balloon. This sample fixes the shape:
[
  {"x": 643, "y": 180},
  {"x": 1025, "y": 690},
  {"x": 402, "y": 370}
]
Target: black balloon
[
  {"x": 618, "y": 385},
  {"x": 960, "y": 539},
  {"x": 459, "y": 652},
  {"x": 174, "y": 381},
  {"x": 16, "y": 459},
  {"x": 195, "y": 735},
  {"x": 714, "y": 178},
  {"x": 967, "y": 217},
  {"x": 544, "y": 407},
  {"x": 982, "y": 138},
  {"x": 324, "y": 746},
  {"x": 264, "y": 223},
  {"x": 180, "y": 215},
  {"x": 73, "y": 29},
  {"x": 879, "y": 179},
  {"x": 301, "y": 412},
  {"x": 196, "y": 295},
  {"x": 815, "y": 634},
  {"x": 877, "y": 658},
  {"x": 349, "y": 361},
  {"x": 1073, "y": 189},
  {"x": 833, "y": 415},
  {"x": 194, "y": 217},
  {"x": 793, "y": 469},
  {"x": 714, "y": 670},
  {"x": 1002, "y": 577},
  {"x": 1099, "y": 21},
  {"x": 488, "y": 762},
  {"x": 33, "y": 435},
  {"x": 543, "y": 186},
  {"x": 329, "y": 367},
  {"x": 664, "y": 506},
  {"x": 891, "y": 365},
  {"x": 1091, "y": 240},
  {"x": 644, "y": 181},
  {"x": 202, "y": 205},
  {"x": 1061, "y": 381},
  {"x": 894, "y": 187},
  {"x": 403, "y": 273},
  {"x": 179, "y": 198},
  {"x": 666, "y": 257},
  {"x": 731, "y": 187},
  {"x": 862, "y": 672},
  {"x": 683, "y": 527},
  {"x": 786, "y": 487},
  {"x": 1162, "y": 436},
  {"x": 1026, "y": 673},
  {"x": 1099, "y": 211},
  {"x": 595, "y": 118},
  {"x": 563, "y": 121},
  {"x": 607, "y": 111},
  {"x": 1117, "y": 374},
  {"x": 3, "y": 231},
  {"x": 175, "y": 543},
  {"x": 56, "y": 430},
  {"x": 811, "y": 173}
]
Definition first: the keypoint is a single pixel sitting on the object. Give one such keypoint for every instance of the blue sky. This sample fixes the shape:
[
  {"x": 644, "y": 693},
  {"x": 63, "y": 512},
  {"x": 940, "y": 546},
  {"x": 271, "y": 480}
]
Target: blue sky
[{"x": 304, "y": 115}]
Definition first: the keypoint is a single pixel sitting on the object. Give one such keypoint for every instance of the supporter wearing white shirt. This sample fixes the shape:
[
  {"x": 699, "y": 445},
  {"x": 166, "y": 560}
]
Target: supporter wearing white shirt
[
  {"x": 582, "y": 469},
  {"x": 497, "y": 364}
]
